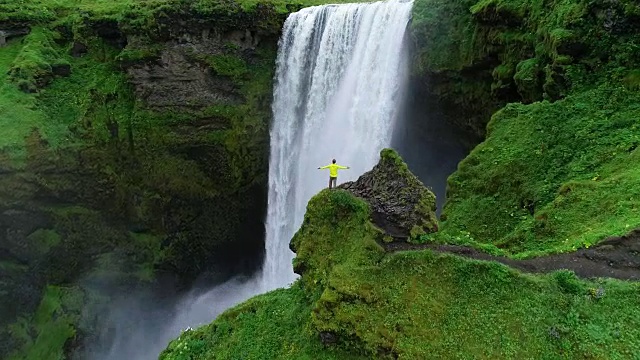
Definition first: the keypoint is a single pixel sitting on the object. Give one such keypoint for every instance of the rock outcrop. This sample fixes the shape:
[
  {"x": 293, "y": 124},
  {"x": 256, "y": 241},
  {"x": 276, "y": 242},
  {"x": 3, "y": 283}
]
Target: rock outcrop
[
  {"x": 473, "y": 57},
  {"x": 6, "y": 33},
  {"x": 400, "y": 204},
  {"x": 155, "y": 174}
]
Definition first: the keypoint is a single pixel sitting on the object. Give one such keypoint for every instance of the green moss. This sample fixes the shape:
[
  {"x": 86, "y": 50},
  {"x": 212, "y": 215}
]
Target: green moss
[
  {"x": 139, "y": 53},
  {"x": 228, "y": 65},
  {"x": 549, "y": 171},
  {"x": 142, "y": 16},
  {"x": 340, "y": 218},
  {"x": 17, "y": 108},
  {"x": 52, "y": 325},
  {"x": 465, "y": 49},
  {"x": 44, "y": 239},
  {"x": 417, "y": 231},
  {"x": 411, "y": 305},
  {"x": 444, "y": 33},
  {"x": 148, "y": 254},
  {"x": 274, "y": 326},
  {"x": 34, "y": 64},
  {"x": 528, "y": 78}
]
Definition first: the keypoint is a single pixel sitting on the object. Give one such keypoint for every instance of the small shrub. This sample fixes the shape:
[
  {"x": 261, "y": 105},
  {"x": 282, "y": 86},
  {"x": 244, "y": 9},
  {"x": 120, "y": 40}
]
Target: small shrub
[{"x": 569, "y": 282}]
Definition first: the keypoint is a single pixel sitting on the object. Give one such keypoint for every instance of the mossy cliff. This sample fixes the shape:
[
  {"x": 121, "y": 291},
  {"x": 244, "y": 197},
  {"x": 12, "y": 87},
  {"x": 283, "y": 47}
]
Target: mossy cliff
[
  {"x": 476, "y": 56},
  {"x": 133, "y": 154},
  {"x": 356, "y": 301},
  {"x": 556, "y": 84},
  {"x": 400, "y": 204}
]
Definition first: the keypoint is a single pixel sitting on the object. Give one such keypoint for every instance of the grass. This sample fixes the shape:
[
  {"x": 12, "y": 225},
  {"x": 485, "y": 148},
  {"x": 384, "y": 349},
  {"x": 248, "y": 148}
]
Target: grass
[
  {"x": 415, "y": 304},
  {"x": 272, "y": 326},
  {"x": 552, "y": 177},
  {"x": 17, "y": 108},
  {"x": 77, "y": 102},
  {"x": 137, "y": 14},
  {"x": 557, "y": 174},
  {"x": 45, "y": 334}
]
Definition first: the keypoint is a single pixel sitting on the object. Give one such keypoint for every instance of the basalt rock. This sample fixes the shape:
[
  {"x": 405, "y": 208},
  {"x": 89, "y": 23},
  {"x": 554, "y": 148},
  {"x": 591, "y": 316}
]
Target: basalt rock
[
  {"x": 400, "y": 204},
  {"x": 11, "y": 32}
]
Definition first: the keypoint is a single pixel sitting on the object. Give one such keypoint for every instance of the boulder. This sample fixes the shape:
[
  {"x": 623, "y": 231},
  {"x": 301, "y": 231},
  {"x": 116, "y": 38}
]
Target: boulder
[
  {"x": 5, "y": 34},
  {"x": 400, "y": 203}
]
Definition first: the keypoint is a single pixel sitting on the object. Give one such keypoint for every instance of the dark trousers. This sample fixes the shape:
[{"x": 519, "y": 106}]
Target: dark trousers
[{"x": 332, "y": 180}]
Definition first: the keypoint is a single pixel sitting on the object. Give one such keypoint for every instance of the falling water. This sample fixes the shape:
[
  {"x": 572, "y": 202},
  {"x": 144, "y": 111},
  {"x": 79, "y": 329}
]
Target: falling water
[
  {"x": 340, "y": 75},
  {"x": 339, "y": 78}
]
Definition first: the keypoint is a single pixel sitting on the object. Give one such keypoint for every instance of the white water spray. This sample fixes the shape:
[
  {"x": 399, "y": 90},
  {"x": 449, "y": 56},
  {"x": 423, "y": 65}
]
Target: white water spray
[{"x": 339, "y": 78}]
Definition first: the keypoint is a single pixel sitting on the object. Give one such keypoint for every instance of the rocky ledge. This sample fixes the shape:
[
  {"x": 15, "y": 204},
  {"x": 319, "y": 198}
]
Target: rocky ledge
[{"x": 400, "y": 203}]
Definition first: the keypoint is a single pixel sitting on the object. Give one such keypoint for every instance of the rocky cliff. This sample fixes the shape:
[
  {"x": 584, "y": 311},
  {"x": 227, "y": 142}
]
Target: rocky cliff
[
  {"x": 473, "y": 57},
  {"x": 391, "y": 205},
  {"x": 400, "y": 204},
  {"x": 134, "y": 156},
  {"x": 550, "y": 86}
]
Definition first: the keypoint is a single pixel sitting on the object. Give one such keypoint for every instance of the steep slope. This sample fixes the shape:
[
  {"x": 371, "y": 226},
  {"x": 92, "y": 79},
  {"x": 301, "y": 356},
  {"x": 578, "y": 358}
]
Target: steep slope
[
  {"x": 558, "y": 169},
  {"x": 355, "y": 300},
  {"x": 476, "y": 56},
  {"x": 133, "y": 155}
]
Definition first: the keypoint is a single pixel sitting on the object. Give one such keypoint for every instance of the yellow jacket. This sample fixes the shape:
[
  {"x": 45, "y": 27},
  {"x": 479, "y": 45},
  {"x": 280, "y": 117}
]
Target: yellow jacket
[{"x": 333, "y": 169}]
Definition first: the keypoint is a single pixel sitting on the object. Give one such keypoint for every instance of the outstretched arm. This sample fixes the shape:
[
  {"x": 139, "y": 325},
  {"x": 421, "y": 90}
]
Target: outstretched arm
[
  {"x": 342, "y": 167},
  {"x": 324, "y": 167}
]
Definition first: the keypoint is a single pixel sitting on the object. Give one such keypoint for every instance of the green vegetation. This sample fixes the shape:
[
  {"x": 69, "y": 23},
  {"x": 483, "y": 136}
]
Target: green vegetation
[
  {"x": 52, "y": 324},
  {"x": 553, "y": 176},
  {"x": 480, "y": 55},
  {"x": 274, "y": 326},
  {"x": 18, "y": 116},
  {"x": 556, "y": 174},
  {"x": 137, "y": 14},
  {"x": 44, "y": 240},
  {"x": 159, "y": 187},
  {"x": 416, "y": 304},
  {"x": 36, "y": 61},
  {"x": 164, "y": 189}
]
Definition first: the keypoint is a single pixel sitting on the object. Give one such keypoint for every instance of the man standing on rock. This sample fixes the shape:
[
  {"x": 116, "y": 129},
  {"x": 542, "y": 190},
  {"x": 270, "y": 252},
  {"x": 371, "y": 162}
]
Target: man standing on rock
[{"x": 333, "y": 172}]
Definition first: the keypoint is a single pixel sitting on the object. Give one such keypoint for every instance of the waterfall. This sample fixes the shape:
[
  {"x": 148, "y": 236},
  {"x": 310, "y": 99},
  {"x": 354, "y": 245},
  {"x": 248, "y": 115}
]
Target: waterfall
[{"x": 339, "y": 79}]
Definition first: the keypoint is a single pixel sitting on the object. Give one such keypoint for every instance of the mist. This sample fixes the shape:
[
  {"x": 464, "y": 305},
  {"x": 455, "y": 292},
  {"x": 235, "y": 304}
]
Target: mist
[
  {"x": 139, "y": 326},
  {"x": 431, "y": 146}
]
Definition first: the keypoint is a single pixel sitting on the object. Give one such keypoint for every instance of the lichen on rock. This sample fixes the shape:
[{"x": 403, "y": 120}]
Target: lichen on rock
[{"x": 400, "y": 203}]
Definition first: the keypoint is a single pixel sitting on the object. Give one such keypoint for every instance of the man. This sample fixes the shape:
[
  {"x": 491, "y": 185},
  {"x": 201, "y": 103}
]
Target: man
[{"x": 333, "y": 172}]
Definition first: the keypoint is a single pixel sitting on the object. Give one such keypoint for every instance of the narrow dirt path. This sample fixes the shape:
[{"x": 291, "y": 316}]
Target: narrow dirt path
[{"x": 617, "y": 258}]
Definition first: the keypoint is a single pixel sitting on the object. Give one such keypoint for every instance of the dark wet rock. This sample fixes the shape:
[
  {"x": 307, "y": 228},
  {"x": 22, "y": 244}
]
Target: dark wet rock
[
  {"x": 401, "y": 205},
  {"x": 78, "y": 49},
  {"x": 16, "y": 225},
  {"x": 328, "y": 338},
  {"x": 180, "y": 75},
  {"x": 61, "y": 69},
  {"x": 5, "y": 34}
]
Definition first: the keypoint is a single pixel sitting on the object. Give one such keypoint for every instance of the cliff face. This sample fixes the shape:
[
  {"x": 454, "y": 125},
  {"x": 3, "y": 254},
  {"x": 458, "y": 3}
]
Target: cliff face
[
  {"x": 473, "y": 57},
  {"x": 400, "y": 204},
  {"x": 135, "y": 155},
  {"x": 553, "y": 84}
]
